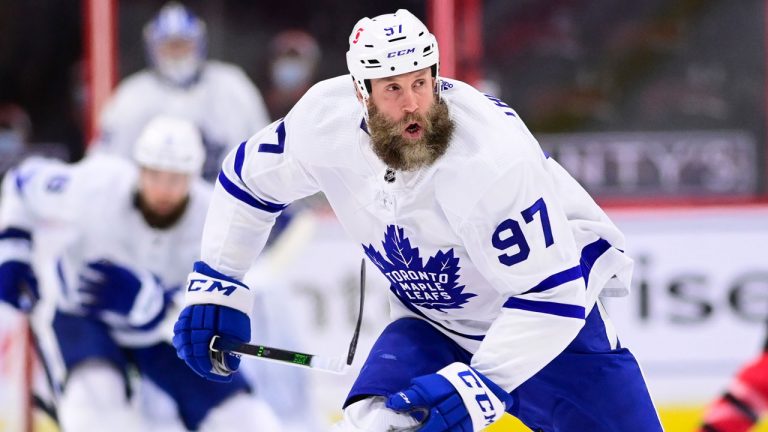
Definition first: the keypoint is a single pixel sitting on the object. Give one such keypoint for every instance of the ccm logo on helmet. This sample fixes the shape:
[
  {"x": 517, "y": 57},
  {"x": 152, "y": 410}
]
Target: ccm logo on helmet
[
  {"x": 357, "y": 35},
  {"x": 401, "y": 52}
]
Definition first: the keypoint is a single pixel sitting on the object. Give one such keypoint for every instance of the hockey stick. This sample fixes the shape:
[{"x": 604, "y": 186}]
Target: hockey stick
[{"x": 220, "y": 346}]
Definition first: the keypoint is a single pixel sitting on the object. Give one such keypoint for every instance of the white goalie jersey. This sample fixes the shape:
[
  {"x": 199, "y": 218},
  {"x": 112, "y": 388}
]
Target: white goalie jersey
[
  {"x": 223, "y": 104},
  {"x": 494, "y": 244},
  {"x": 87, "y": 212}
]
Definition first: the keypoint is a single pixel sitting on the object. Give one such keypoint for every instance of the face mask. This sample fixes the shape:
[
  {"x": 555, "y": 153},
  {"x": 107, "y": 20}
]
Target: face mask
[
  {"x": 11, "y": 142},
  {"x": 289, "y": 73},
  {"x": 179, "y": 71}
]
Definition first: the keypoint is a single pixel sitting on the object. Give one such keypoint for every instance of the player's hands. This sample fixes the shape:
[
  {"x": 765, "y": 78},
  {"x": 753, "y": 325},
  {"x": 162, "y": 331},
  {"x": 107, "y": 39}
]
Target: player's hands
[
  {"x": 193, "y": 331},
  {"x": 18, "y": 284},
  {"x": 107, "y": 287},
  {"x": 457, "y": 399},
  {"x": 217, "y": 305}
]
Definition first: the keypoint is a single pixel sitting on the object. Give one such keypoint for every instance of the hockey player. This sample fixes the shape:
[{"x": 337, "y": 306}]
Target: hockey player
[
  {"x": 495, "y": 255},
  {"x": 116, "y": 242},
  {"x": 745, "y": 401},
  {"x": 218, "y": 97}
]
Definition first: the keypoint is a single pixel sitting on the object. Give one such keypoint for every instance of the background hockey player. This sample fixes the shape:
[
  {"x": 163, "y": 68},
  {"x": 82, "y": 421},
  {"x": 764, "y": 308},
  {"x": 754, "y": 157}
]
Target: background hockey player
[
  {"x": 227, "y": 109},
  {"x": 745, "y": 401},
  {"x": 495, "y": 255},
  {"x": 115, "y": 241},
  {"x": 218, "y": 97}
]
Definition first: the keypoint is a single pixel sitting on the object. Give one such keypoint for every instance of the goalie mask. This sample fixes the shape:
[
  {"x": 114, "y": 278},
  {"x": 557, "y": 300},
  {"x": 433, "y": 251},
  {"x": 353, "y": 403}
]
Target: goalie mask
[{"x": 176, "y": 44}]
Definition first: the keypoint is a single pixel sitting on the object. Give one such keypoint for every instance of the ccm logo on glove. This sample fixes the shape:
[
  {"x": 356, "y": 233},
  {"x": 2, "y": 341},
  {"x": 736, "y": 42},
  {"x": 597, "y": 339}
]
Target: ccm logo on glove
[
  {"x": 457, "y": 397},
  {"x": 481, "y": 396},
  {"x": 210, "y": 286}
]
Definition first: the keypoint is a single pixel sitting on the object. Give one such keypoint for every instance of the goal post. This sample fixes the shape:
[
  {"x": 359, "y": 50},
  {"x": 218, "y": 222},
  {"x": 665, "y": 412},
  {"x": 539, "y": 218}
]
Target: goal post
[
  {"x": 100, "y": 72},
  {"x": 457, "y": 25}
]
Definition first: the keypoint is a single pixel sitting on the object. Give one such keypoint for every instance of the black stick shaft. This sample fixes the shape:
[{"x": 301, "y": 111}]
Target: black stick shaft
[
  {"x": 263, "y": 351},
  {"x": 353, "y": 343}
]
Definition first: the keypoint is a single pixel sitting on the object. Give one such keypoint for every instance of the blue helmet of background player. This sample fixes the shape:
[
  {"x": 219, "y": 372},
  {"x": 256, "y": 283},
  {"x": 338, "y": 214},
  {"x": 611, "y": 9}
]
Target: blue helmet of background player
[{"x": 176, "y": 44}]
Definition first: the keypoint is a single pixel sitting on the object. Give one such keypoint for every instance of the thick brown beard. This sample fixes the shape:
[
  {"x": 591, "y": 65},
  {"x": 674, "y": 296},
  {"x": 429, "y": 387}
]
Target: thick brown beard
[
  {"x": 403, "y": 154},
  {"x": 156, "y": 220}
]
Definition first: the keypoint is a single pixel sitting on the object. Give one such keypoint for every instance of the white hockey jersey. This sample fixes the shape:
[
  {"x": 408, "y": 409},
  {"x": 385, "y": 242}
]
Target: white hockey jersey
[
  {"x": 224, "y": 104},
  {"x": 85, "y": 212},
  {"x": 486, "y": 244}
]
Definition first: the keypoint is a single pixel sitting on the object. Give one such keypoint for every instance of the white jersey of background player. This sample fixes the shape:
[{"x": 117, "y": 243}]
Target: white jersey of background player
[
  {"x": 116, "y": 242},
  {"x": 218, "y": 97},
  {"x": 495, "y": 255},
  {"x": 226, "y": 107}
]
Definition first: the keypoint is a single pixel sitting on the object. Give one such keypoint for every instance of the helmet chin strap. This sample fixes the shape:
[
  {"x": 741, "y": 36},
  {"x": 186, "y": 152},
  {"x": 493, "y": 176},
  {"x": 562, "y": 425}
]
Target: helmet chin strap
[
  {"x": 364, "y": 103},
  {"x": 362, "y": 97}
]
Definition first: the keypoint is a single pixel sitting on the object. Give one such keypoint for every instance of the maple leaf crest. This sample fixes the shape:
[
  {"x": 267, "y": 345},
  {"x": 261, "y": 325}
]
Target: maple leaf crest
[{"x": 431, "y": 286}]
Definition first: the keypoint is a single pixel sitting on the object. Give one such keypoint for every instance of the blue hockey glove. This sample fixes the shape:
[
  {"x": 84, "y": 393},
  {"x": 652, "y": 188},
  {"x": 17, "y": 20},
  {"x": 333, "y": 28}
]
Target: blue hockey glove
[
  {"x": 18, "y": 284},
  {"x": 108, "y": 287},
  {"x": 196, "y": 326},
  {"x": 455, "y": 399},
  {"x": 217, "y": 305}
]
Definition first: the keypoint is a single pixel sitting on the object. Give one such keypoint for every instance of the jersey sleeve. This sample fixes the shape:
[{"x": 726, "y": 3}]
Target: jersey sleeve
[
  {"x": 38, "y": 190},
  {"x": 518, "y": 236},
  {"x": 259, "y": 179},
  {"x": 44, "y": 190}
]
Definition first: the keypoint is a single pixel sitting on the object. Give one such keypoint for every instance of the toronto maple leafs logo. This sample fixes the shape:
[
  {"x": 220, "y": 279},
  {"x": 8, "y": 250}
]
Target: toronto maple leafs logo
[{"x": 431, "y": 286}]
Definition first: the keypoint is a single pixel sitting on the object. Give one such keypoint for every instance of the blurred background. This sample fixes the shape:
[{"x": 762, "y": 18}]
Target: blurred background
[{"x": 657, "y": 107}]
